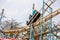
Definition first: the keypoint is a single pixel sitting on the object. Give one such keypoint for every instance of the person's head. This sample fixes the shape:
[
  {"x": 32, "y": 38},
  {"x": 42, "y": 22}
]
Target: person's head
[{"x": 30, "y": 16}]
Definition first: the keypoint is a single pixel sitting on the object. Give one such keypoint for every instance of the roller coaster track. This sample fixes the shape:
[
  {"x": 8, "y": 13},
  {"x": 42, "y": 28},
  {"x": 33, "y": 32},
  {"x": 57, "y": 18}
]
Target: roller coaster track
[
  {"x": 24, "y": 28},
  {"x": 39, "y": 22},
  {"x": 48, "y": 4},
  {"x": 44, "y": 33}
]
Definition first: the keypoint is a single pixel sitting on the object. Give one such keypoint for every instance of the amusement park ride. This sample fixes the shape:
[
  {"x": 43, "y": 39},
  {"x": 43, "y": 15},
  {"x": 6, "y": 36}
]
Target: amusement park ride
[{"x": 38, "y": 21}]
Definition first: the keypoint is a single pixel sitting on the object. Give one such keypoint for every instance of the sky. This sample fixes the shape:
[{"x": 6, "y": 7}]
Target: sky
[{"x": 20, "y": 9}]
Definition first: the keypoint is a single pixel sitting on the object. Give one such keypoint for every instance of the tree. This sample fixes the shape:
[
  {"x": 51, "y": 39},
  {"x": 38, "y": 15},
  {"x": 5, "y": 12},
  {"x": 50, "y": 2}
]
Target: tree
[{"x": 10, "y": 24}]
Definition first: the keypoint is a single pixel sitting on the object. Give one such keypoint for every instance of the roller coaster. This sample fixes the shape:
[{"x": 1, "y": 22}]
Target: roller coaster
[{"x": 37, "y": 21}]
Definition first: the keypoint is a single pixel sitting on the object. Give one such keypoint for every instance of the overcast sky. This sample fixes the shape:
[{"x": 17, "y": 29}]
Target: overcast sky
[{"x": 20, "y": 9}]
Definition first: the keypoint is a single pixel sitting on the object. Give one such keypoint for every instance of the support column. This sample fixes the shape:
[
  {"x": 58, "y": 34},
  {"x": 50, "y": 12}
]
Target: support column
[
  {"x": 31, "y": 33},
  {"x": 41, "y": 36}
]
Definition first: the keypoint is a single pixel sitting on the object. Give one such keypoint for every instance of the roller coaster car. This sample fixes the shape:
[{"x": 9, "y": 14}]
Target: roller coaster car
[{"x": 35, "y": 17}]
